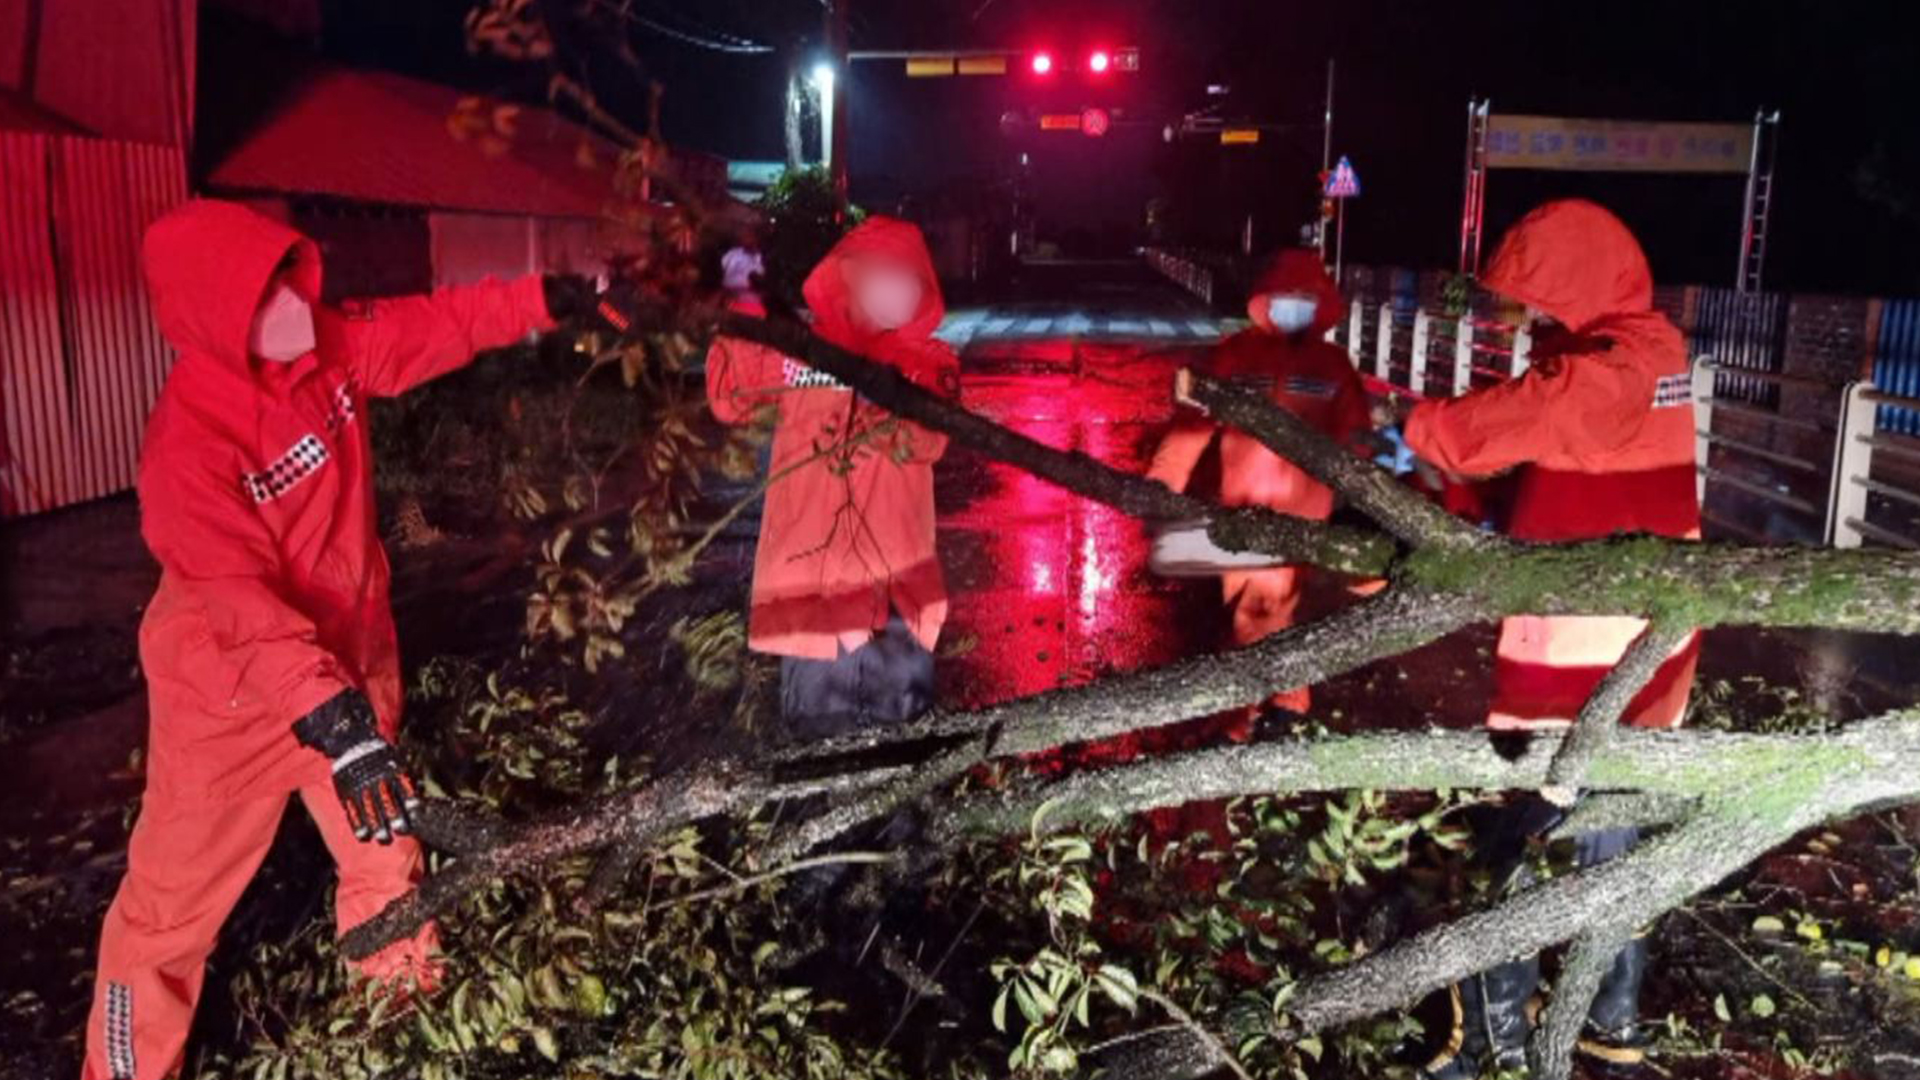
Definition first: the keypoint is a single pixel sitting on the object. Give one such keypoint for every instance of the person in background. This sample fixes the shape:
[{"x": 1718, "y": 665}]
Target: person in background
[
  {"x": 1601, "y": 432},
  {"x": 1284, "y": 355},
  {"x": 847, "y": 589},
  {"x": 269, "y": 649},
  {"x": 740, "y": 271}
]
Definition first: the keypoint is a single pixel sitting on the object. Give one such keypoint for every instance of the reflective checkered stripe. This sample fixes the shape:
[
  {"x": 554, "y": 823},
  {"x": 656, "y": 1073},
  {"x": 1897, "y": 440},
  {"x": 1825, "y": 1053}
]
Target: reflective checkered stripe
[
  {"x": 799, "y": 376},
  {"x": 1306, "y": 386},
  {"x": 1673, "y": 391},
  {"x": 300, "y": 461},
  {"x": 119, "y": 1031},
  {"x": 340, "y": 411}
]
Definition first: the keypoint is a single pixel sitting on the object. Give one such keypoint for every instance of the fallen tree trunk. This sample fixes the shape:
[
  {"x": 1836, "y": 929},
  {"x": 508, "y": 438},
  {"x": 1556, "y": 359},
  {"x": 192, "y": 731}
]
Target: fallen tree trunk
[{"x": 1732, "y": 795}]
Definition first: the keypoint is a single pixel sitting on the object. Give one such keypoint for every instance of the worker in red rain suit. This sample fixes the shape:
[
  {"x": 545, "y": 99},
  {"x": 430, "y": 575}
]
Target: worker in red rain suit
[
  {"x": 1601, "y": 429},
  {"x": 269, "y": 649},
  {"x": 1286, "y": 355},
  {"x": 847, "y": 588}
]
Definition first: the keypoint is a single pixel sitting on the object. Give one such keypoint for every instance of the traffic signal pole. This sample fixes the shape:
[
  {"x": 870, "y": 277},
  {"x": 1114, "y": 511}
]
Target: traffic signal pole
[{"x": 1326, "y": 164}]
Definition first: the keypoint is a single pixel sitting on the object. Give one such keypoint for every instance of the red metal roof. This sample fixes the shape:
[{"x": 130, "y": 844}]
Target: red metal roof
[
  {"x": 386, "y": 138},
  {"x": 19, "y": 113}
]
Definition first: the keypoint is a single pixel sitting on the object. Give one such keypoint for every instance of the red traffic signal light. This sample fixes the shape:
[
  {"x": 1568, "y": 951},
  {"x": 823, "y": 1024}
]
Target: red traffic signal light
[
  {"x": 1099, "y": 62},
  {"x": 1042, "y": 63}
]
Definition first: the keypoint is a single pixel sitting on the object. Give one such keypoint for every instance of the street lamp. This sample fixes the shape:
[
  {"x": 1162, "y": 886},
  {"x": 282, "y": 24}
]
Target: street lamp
[
  {"x": 1042, "y": 63},
  {"x": 1099, "y": 61},
  {"x": 822, "y": 79}
]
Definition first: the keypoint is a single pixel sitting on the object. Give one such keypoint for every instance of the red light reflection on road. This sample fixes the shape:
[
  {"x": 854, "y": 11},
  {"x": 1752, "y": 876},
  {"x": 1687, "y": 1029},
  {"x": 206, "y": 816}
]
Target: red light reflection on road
[{"x": 1054, "y": 588}]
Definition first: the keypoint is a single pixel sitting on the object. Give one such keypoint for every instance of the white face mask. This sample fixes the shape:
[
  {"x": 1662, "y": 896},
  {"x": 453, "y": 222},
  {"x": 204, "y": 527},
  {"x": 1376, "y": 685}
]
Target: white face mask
[
  {"x": 890, "y": 299},
  {"x": 1291, "y": 313},
  {"x": 282, "y": 329}
]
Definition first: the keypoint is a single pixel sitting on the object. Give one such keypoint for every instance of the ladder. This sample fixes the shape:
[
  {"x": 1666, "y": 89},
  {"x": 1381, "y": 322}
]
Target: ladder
[
  {"x": 1473, "y": 206},
  {"x": 1759, "y": 202}
]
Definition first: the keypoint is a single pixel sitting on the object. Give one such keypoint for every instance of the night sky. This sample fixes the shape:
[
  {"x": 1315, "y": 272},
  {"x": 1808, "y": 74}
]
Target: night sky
[{"x": 1847, "y": 197}]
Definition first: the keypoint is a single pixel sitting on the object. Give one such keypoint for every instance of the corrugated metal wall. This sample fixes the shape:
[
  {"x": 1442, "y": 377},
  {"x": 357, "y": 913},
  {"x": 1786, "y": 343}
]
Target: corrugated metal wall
[
  {"x": 1896, "y": 363},
  {"x": 1742, "y": 330},
  {"x": 81, "y": 358}
]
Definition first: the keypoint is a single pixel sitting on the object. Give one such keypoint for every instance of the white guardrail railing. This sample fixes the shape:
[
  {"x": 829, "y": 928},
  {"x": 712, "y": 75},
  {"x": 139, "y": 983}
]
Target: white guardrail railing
[{"x": 1441, "y": 355}]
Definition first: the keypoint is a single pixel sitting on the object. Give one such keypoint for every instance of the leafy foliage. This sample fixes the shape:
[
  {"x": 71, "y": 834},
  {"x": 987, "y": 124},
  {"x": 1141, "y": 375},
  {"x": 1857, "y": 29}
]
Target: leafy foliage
[{"x": 800, "y": 211}]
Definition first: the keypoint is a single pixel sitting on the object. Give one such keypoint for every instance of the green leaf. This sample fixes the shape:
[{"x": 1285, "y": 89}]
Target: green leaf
[
  {"x": 1768, "y": 924},
  {"x": 1000, "y": 1008},
  {"x": 1059, "y": 1059},
  {"x": 1720, "y": 1009},
  {"x": 1024, "y": 996},
  {"x": 544, "y": 1041},
  {"x": 1761, "y": 1006},
  {"x": 1119, "y": 985},
  {"x": 1040, "y": 817}
]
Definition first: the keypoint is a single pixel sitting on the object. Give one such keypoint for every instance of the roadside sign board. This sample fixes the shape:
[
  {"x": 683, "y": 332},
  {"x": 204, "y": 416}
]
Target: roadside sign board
[
  {"x": 1572, "y": 145},
  {"x": 1343, "y": 182},
  {"x": 1239, "y": 136},
  {"x": 929, "y": 67},
  {"x": 1059, "y": 121},
  {"x": 1095, "y": 122}
]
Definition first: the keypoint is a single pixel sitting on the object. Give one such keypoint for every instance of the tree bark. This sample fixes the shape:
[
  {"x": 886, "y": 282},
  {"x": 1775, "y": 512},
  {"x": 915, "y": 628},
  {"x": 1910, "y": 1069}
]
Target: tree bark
[
  {"x": 1600, "y": 716},
  {"x": 1585, "y": 966}
]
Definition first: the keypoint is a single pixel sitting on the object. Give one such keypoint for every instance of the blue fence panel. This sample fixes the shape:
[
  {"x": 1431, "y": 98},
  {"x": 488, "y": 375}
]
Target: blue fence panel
[
  {"x": 1896, "y": 364},
  {"x": 1742, "y": 330}
]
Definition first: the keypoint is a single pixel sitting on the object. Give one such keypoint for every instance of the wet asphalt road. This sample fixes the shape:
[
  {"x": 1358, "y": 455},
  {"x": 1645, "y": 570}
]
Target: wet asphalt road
[{"x": 1048, "y": 588}]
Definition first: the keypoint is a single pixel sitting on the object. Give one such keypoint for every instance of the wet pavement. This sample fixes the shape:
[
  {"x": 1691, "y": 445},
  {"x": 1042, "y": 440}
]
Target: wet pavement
[{"x": 1047, "y": 589}]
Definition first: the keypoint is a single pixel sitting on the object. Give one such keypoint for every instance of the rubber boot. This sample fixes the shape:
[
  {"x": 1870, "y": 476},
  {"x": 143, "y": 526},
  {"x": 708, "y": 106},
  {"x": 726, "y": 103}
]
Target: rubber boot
[
  {"x": 1613, "y": 1043},
  {"x": 1490, "y": 1023}
]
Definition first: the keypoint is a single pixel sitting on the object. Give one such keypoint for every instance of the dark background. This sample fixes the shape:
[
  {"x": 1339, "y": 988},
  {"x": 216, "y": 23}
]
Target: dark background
[{"x": 1843, "y": 75}]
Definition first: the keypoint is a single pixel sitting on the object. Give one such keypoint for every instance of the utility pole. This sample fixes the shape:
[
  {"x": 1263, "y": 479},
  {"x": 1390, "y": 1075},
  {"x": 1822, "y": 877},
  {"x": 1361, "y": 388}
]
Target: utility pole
[
  {"x": 1326, "y": 161},
  {"x": 835, "y": 122}
]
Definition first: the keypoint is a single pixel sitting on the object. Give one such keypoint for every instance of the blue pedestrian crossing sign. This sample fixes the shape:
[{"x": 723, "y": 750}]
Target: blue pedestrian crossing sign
[{"x": 1343, "y": 182}]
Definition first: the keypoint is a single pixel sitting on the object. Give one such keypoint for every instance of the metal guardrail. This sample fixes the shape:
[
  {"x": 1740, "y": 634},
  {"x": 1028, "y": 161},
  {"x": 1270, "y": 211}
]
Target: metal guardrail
[
  {"x": 1854, "y": 486},
  {"x": 1845, "y": 519},
  {"x": 1435, "y": 355},
  {"x": 1428, "y": 345},
  {"x": 1191, "y": 275}
]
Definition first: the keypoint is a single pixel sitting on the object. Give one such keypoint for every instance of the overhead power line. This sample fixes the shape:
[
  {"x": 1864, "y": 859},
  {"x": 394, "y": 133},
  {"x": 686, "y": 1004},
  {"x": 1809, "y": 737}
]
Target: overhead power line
[{"x": 711, "y": 40}]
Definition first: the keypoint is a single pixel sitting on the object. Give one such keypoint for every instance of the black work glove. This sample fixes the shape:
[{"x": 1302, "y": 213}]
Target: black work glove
[
  {"x": 378, "y": 795},
  {"x": 573, "y": 299}
]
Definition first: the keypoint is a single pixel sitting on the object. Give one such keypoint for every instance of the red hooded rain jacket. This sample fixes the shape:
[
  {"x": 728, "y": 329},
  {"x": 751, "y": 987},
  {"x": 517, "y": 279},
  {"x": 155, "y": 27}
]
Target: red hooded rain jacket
[
  {"x": 843, "y": 540},
  {"x": 1601, "y": 428},
  {"x": 256, "y": 497}
]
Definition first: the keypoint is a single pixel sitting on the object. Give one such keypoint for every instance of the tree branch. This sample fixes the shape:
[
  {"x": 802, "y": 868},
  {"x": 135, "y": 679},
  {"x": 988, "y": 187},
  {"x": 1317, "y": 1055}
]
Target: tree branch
[
  {"x": 1582, "y": 970},
  {"x": 1386, "y": 624},
  {"x": 622, "y": 823},
  {"x": 1613, "y": 897},
  {"x": 1601, "y": 714},
  {"x": 1295, "y": 539},
  {"x": 1372, "y": 490},
  {"x": 1216, "y": 1053},
  {"x": 1874, "y": 590},
  {"x": 1672, "y": 767}
]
